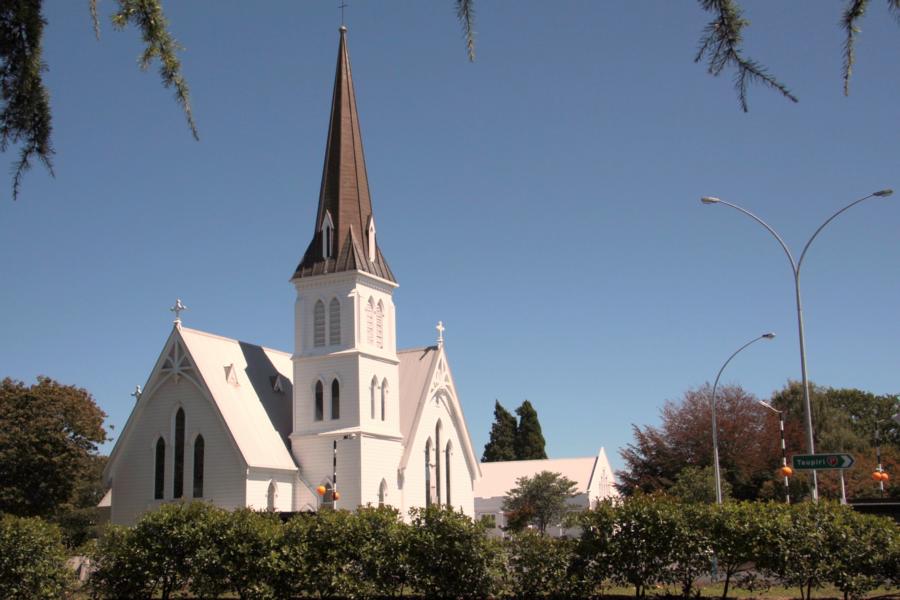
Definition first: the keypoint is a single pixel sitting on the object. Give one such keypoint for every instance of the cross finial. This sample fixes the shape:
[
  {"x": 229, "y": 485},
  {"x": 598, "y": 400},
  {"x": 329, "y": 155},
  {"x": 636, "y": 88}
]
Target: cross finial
[
  {"x": 178, "y": 309},
  {"x": 137, "y": 393},
  {"x": 440, "y": 329},
  {"x": 342, "y": 6}
]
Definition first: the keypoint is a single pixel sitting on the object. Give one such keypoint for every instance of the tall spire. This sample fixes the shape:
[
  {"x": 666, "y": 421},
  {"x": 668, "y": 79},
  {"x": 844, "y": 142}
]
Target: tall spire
[{"x": 344, "y": 235}]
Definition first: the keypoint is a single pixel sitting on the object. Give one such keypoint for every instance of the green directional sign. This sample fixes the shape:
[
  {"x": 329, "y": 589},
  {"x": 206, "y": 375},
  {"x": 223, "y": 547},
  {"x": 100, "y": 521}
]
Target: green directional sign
[{"x": 821, "y": 462}]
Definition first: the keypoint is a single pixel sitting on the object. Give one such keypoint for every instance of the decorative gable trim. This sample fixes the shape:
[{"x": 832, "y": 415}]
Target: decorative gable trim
[{"x": 442, "y": 389}]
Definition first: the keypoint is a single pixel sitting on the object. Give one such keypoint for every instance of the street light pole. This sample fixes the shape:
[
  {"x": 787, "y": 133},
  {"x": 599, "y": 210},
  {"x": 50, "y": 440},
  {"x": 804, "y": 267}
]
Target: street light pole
[
  {"x": 787, "y": 487},
  {"x": 715, "y": 434},
  {"x": 795, "y": 268}
]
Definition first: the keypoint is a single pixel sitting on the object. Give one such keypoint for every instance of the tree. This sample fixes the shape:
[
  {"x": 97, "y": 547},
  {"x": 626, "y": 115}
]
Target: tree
[
  {"x": 48, "y": 442},
  {"x": 540, "y": 500},
  {"x": 749, "y": 447},
  {"x": 502, "y": 443},
  {"x": 698, "y": 484},
  {"x": 529, "y": 439},
  {"x": 25, "y": 118}
]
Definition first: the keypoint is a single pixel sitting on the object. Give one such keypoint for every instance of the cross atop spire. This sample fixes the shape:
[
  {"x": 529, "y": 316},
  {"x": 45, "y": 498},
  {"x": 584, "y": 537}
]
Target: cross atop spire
[
  {"x": 440, "y": 329},
  {"x": 178, "y": 309},
  {"x": 340, "y": 236}
]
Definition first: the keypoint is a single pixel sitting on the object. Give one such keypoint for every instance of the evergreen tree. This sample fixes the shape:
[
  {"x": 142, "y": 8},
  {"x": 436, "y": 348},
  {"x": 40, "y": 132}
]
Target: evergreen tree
[
  {"x": 529, "y": 439},
  {"x": 502, "y": 445}
]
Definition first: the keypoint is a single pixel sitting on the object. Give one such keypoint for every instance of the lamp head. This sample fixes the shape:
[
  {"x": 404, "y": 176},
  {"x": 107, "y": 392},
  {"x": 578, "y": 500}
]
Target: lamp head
[
  {"x": 769, "y": 335},
  {"x": 709, "y": 200},
  {"x": 883, "y": 193}
]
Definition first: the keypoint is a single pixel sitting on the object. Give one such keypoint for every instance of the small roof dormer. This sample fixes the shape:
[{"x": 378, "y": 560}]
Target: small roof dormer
[{"x": 344, "y": 200}]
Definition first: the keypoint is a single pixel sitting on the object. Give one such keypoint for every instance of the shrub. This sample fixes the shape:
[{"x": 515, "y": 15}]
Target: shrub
[
  {"x": 540, "y": 566},
  {"x": 449, "y": 554},
  {"x": 594, "y": 553},
  {"x": 642, "y": 542},
  {"x": 239, "y": 553},
  {"x": 734, "y": 530},
  {"x": 859, "y": 549},
  {"x": 156, "y": 557},
  {"x": 32, "y": 559},
  {"x": 690, "y": 542}
]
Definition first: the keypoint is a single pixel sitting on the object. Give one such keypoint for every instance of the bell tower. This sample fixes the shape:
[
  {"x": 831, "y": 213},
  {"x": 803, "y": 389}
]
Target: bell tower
[{"x": 346, "y": 376}]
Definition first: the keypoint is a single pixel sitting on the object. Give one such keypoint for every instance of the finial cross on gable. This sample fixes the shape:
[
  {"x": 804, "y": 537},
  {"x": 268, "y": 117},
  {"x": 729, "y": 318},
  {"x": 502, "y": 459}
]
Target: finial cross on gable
[
  {"x": 178, "y": 309},
  {"x": 440, "y": 329},
  {"x": 342, "y": 6}
]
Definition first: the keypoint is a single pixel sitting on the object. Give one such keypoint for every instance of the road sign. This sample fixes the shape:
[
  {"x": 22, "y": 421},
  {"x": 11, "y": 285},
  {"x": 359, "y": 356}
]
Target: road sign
[{"x": 822, "y": 462}]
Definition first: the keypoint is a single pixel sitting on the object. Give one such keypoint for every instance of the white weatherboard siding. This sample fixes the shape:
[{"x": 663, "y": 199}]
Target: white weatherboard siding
[
  {"x": 258, "y": 482},
  {"x": 133, "y": 477}
]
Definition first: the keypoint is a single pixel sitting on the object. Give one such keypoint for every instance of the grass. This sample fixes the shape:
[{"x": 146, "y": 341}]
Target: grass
[{"x": 775, "y": 592}]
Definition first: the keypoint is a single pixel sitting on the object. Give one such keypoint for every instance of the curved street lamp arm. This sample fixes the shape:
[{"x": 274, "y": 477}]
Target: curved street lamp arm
[
  {"x": 822, "y": 226},
  {"x": 736, "y": 352},
  {"x": 794, "y": 264}
]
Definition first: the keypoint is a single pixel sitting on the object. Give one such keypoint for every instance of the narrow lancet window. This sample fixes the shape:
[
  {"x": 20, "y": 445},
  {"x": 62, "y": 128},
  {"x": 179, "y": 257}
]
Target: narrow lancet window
[
  {"x": 335, "y": 399},
  {"x": 384, "y": 393},
  {"x": 320, "y": 401},
  {"x": 428, "y": 473},
  {"x": 382, "y": 493},
  {"x": 160, "y": 475},
  {"x": 447, "y": 454},
  {"x": 379, "y": 325},
  {"x": 327, "y": 236},
  {"x": 319, "y": 324},
  {"x": 437, "y": 461},
  {"x": 334, "y": 322},
  {"x": 370, "y": 321},
  {"x": 178, "y": 485},
  {"x": 270, "y": 497},
  {"x": 199, "y": 448},
  {"x": 374, "y": 387}
]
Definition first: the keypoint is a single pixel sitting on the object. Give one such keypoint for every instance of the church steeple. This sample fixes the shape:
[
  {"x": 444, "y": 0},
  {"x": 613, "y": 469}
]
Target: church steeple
[{"x": 344, "y": 235}]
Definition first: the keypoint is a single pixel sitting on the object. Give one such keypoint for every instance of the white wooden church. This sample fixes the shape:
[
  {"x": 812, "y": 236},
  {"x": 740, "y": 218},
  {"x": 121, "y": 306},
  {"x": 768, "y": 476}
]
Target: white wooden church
[{"x": 240, "y": 425}]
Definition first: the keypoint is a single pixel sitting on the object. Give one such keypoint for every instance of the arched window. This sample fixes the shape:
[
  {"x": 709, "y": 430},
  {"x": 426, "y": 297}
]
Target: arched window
[
  {"x": 334, "y": 322},
  {"x": 384, "y": 393},
  {"x": 437, "y": 462},
  {"x": 160, "y": 475},
  {"x": 319, "y": 324},
  {"x": 382, "y": 493},
  {"x": 428, "y": 472},
  {"x": 335, "y": 399},
  {"x": 270, "y": 497},
  {"x": 199, "y": 447},
  {"x": 374, "y": 387},
  {"x": 370, "y": 321},
  {"x": 320, "y": 401},
  {"x": 178, "y": 486},
  {"x": 379, "y": 325},
  {"x": 447, "y": 454}
]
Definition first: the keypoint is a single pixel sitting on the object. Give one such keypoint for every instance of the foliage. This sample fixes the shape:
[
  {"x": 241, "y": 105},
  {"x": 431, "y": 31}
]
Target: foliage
[
  {"x": 48, "y": 441},
  {"x": 502, "y": 443},
  {"x": 529, "y": 439},
  {"x": 749, "y": 447},
  {"x": 25, "y": 118},
  {"x": 539, "y": 566},
  {"x": 595, "y": 553},
  {"x": 32, "y": 560},
  {"x": 239, "y": 554},
  {"x": 449, "y": 555},
  {"x": 155, "y": 557},
  {"x": 859, "y": 551},
  {"x": 695, "y": 484},
  {"x": 642, "y": 542},
  {"x": 734, "y": 530},
  {"x": 540, "y": 500},
  {"x": 691, "y": 544}
]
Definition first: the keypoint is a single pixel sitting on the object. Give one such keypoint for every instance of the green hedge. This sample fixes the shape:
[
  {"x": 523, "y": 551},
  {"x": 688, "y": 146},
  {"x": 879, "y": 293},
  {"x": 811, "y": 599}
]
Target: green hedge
[
  {"x": 32, "y": 559},
  {"x": 643, "y": 542}
]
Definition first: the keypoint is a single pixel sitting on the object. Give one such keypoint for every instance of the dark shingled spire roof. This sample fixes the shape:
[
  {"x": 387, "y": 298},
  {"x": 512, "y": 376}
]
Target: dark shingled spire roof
[{"x": 345, "y": 188}]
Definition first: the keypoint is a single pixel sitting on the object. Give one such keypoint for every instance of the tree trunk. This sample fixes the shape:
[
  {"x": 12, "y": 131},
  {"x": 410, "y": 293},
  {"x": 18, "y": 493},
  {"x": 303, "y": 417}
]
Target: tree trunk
[{"x": 727, "y": 581}]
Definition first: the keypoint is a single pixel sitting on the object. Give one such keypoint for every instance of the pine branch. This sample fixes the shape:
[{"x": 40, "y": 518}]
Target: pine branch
[
  {"x": 854, "y": 12},
  {"x": 147, "y": 15},
  {"x": 720, "y": 45},
  {"x": 466, "y": 15},
  {"x": 25, "y": 116},
  {"x": 94, "y": 18}
]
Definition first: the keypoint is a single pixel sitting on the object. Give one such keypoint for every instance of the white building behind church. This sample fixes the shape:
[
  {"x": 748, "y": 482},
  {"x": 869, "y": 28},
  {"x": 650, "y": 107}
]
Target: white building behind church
[{"x": 240, "y": 425}]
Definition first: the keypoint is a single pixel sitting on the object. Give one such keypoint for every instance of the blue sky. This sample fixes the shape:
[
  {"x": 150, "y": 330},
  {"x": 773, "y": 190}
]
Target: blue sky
[{"x": 542, "y": 202}]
